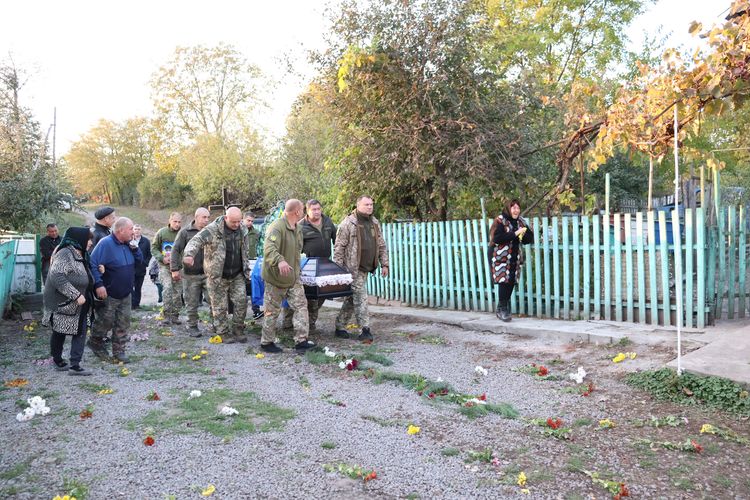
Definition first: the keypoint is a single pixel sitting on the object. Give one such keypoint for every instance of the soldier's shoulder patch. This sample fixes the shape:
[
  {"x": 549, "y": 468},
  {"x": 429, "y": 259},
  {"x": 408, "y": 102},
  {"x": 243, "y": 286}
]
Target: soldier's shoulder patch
[{"x": 273, "y": 237}]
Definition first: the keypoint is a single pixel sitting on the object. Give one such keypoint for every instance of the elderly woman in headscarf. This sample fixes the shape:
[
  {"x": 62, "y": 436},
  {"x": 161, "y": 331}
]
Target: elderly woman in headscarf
[{"x": 68, "y": 298}]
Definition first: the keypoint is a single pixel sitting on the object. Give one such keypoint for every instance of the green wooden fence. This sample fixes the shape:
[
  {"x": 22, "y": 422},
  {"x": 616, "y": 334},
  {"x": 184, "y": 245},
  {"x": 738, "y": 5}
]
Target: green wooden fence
[
  {"x": 7, "y": 265},
  {"x": 620, "y": 267}
]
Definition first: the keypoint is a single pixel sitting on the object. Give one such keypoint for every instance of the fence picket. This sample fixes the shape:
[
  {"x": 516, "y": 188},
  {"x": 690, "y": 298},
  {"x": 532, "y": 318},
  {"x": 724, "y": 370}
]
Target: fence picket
[
  {"x": 607, "y": 241},
  {"x": 652, "y": 283},
  {"x": 576, "y": 251},
  {"x": 688, "y": 260},
  {"x": 597, "y": 268},
  {"x": 538, "y": 266},
  {"x": 566, "y": 269},
  {"x": 641, "y": 268},
  {"x": 629, "y": 266},
  {"x": 678, "y": 269},
  {"x": 586, "y": 278},
  {"x": 700, "y": 259},
  {"x": 556, "y": 266},
  {"x": 547, "y": 288},
  {"x": 664, "y": 253},
  {"x": 742, "y": 249},
  {"x": 731, "y": 247}
]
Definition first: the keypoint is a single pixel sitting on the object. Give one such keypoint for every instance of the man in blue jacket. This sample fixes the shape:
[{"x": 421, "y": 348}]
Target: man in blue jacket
[{"x": 113, "y": 268}]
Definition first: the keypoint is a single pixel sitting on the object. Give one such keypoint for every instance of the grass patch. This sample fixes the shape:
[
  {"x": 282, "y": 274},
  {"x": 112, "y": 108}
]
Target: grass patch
[
  {"x": 690, "y": 389},
  {"x": 582, "y": 422},
  {"x": 484, "y": 455},
  {"x": 202, "y": 413},
  {"x": 374, "y": 355},
  {"x": 432, "y": 340},
  {"x": 17, "y": 470},
  {"x": 76, "y": 488},
  {"x": 623, "y": 342},
  {"x": 450, "y": 452},
  {"x": 328, "y": 445},
  {"x": 186, "y": 368},
  {"x": 95, "y": 388},
  {"x": 385, "y": 422},
  {"x": 505, "y": 410}
]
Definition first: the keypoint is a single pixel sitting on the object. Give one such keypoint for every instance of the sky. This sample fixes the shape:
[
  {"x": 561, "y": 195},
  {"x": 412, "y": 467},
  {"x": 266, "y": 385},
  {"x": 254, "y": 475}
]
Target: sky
[{"x": 94, "y": 59}]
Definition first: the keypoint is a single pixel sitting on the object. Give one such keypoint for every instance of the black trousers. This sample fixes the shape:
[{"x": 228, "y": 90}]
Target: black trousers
[
  {"x": 505, "y": 291},
  {"x": 136, "y": 295},
  {"x": 77, "y": 342}
]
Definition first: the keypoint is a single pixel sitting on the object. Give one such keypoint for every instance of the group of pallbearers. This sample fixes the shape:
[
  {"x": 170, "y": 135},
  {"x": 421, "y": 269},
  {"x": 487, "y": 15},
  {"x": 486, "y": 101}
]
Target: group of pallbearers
[{"x": 214, "y": 259}]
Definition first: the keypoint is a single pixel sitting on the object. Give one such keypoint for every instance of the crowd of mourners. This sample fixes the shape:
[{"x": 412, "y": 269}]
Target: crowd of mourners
[{"x": 93, "y": 277}]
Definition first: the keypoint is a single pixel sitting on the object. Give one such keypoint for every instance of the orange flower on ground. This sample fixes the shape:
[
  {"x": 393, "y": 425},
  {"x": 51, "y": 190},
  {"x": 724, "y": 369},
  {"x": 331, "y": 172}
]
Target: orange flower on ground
[
  {"x": 149, "y": 441},
  {"x": 372, "y": 475},
  {"x": 543, "y": 371},
  {"x": 16, "y": 382},
  {"x": 86, "y": 413}
]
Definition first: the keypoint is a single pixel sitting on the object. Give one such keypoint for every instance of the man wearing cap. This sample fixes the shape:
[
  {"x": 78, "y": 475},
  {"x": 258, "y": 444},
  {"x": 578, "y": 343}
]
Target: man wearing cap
[
  {"x": 105, "y": 217},
  {"x": 161, "y": 249}
]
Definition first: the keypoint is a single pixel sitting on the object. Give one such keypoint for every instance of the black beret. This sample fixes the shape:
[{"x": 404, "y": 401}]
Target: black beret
[{"x": 103, "y": 212}]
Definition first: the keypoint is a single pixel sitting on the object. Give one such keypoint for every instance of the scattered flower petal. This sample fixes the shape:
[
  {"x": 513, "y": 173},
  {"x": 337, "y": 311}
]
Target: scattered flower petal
[
  {"x": 209, "y": 490},
  {"x": 413, "y": 429}
]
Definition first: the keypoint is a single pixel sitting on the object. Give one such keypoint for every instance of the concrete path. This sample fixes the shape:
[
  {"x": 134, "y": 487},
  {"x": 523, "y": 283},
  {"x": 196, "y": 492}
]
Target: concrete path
[{"x": 722, "y": 350}]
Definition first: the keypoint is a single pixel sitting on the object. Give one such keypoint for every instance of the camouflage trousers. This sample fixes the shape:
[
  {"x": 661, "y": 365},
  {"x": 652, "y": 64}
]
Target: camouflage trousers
[
  {"x": 355, "y": 304},
  {"x": 220, "y": 292},
  {"x": 194, "y": 289},
  {"x": 313, "y": 306},
  {"x": 171, "y": 292},
  {"x": 115, "y": 316},
  {"x": 272, "y": 299}
]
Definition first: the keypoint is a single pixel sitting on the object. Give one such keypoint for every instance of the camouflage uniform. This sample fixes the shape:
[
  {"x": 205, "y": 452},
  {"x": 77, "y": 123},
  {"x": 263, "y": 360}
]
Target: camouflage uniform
[
  {"x": 170, "y": 293},
  {"x": 212, "y": 240},
  {"x": 115, "y": 316},
  {"x": 194, "y": 288},
  {"x": 347, "y": 254},
  {"x": 283, "y": 243}
]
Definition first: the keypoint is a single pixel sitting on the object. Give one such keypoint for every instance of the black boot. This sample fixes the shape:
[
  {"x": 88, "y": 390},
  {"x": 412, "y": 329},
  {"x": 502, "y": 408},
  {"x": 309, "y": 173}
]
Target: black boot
[
  {"x": 505, "y": 311},
  {"x": 499, "y": 310}
]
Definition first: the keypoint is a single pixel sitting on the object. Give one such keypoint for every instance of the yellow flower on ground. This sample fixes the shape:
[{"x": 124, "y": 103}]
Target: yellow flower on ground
[
  {"x": 196, "y": 357},
  {"x": 106, "y": 391},
  {"x": 66, "y": 497},
  {"x": 413, "y": 429},
  {"x": 159, "y": 318},
  {"x": 708, "y": 429},
  {"x": 260, "y": 355},
  {"x": 183, "y": 355},
  {"x": 525, "y": 491},
  {"x": 606, "y": 423},
  {"x": 619, "y": 358},
  {"x": 352, "y": 326},
  {"x": 631, "y": 355},
  {"x": 216, "y": 339},
  {"x": 203, "y": 352},
  {"x": 124, "y": 372},
  {"x": 209, "y": 490},
  {"x": 521, "y": 479}
]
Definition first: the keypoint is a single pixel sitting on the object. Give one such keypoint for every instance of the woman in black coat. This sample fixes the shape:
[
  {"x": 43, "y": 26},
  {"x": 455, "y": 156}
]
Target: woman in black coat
[
  {"x": 508, "y": 232},
  {"x": 68, "y": 298}
]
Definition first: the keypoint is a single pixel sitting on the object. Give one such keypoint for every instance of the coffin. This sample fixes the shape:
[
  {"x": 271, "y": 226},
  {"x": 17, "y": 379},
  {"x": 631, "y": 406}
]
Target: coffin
[{"x": 324, "y": 279}]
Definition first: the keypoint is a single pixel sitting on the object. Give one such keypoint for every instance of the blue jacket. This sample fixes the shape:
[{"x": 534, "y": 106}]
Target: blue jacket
[{"x": 119, "y": 262}]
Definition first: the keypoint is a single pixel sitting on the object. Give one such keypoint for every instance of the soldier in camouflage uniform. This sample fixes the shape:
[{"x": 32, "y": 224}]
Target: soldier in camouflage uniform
[
  {"x": 281, "y": 272},
  {"x": 226, "y": 251},
  {"x": 193, "y": 277},
  {"x": 359, "y": 249}
]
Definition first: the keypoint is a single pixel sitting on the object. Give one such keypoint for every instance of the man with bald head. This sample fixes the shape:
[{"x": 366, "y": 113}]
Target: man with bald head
[
  {"x": 193, "y": 277},
  {"x": 117, "y": 254},
  {"x": 226, "y": 252},
  {"x": 281, "y": 272}
]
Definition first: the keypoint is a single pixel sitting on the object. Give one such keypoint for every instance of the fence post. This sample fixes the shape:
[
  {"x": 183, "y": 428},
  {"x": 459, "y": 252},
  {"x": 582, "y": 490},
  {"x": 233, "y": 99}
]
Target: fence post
[
  {"x": 700, "y": 254},
  {"x": 653, "y": 284},
  {"x": 742, "y": 264},
  {"x": 664, "y": 253},
  {"x": 641, "y": 268}
]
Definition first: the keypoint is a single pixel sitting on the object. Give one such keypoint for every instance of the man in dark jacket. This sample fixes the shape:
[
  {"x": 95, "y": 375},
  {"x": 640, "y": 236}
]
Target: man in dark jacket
[
  {"x": 193, "y": 278},
  {"x": 253, "y": 234},
  {"x": 117, "y": 255},
  {"x": 105, "y": 217},
  {"x": 47, "y": 245},
  {"x": 318, "y": 234},
  {"x": 140, "y": 269}
]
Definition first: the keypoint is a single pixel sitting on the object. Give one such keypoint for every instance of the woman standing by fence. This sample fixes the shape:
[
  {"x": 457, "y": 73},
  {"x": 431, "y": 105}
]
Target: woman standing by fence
[
  {"x": 68, "y": 298},
  {"x": 508, "y": 232}
]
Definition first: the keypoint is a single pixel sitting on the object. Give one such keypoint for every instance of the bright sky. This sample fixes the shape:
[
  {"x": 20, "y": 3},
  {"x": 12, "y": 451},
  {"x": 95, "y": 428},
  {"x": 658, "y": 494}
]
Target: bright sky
[{"x": 94, "y": 59}]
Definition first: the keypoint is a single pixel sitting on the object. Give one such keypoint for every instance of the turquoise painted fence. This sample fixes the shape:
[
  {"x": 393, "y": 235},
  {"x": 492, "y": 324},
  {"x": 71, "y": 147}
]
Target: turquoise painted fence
[
  {"x": 7, "y": 265},
  {"x": 619, "y": 268}
]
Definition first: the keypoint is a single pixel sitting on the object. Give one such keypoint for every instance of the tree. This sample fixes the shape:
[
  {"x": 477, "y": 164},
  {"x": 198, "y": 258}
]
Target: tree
[
  {"x": 28, "y": 182},
  {"x": 205, "y": 90},
  {"x": 112, "y": 158}
]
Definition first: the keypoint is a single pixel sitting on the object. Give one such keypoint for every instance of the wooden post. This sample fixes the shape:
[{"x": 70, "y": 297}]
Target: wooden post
[{"x": 606, "y": 194}]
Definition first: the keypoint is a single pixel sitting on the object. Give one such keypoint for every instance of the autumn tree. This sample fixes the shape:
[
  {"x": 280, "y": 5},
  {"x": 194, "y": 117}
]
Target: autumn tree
[{"x": 29, "y": 187}]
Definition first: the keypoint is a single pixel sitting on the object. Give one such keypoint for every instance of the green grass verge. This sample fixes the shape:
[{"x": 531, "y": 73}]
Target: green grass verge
[
  {"x": 202, "y": 413},
  {"x": 690, "y": 389}
]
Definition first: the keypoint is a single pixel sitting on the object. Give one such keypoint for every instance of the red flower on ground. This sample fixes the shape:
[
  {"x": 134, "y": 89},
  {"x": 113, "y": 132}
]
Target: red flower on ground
[
  {"x": 149, "y": 441},
  {"x": 542, "y": 371},
  {"x": 86, "y": 414},
  {"x": 372, "y": 475},
  {"x": 443, "y": 392},
  {"x": 431, "y": 395},
  {"x": 588, "y": 391},
  {"x": 698, "y": 448},
  {"x": 554, "y": 424},
  {"x": 483, "y": 397}
]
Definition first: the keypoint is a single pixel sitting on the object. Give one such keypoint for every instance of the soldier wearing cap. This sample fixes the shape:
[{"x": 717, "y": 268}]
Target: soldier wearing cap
[{"x": 105, "y": 217}]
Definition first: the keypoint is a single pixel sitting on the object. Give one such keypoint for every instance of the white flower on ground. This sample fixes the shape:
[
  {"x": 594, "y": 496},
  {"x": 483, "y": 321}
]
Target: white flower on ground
[
  {"x": 578, "y": 376},
  {"x": 477, "y": 401},
  {"x": 328, "y": 352},
  {"x": 342, "y": 365},
  {"x": 195, "y": 394},
  {"x": 480, "y": 370},
  {"x": 25, "y": 415},
  {"x": 439, "y": 379},
  {"x": 228, "y": 411}
]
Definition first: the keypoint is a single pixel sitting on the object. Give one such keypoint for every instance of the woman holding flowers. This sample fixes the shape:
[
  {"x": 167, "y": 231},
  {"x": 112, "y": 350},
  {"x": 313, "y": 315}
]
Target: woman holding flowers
[
  {"x": 68, "y": 298},
  {"x": 508, "y": 232}
]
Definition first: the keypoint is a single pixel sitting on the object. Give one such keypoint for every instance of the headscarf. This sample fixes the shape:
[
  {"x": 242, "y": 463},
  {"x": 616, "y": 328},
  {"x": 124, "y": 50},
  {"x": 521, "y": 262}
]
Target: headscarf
[{"x": 78, "y": 238}]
